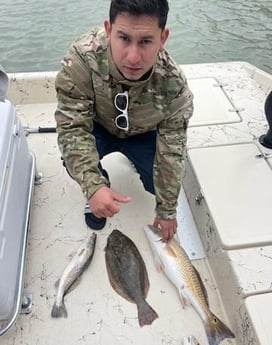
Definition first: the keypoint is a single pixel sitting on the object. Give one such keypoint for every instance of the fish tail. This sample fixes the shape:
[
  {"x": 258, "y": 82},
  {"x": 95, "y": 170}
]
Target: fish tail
[
  {"x": 216, "y": 330},
  {"x": 59, "y": 310},
  {"x": 146, "y": 314}
]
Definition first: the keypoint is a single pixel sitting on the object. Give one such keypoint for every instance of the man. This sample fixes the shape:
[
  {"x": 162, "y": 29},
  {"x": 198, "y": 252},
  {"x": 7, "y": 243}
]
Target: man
[{"x": 119, "y": 90}]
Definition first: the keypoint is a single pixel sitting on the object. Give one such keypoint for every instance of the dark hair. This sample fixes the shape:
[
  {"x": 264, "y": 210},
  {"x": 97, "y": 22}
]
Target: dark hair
[{"x": 153, "y": 8}]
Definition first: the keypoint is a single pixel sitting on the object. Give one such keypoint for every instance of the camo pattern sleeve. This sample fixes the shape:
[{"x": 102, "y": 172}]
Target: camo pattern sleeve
[
  {"x": 168, "y": 167},
  {"x": 86, "y": 87},
  {"x": 74, "y": 118}
]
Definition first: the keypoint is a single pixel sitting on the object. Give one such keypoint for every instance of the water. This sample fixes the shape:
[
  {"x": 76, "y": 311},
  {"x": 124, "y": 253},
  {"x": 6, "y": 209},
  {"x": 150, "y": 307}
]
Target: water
[{"x": 35, "y": 34}]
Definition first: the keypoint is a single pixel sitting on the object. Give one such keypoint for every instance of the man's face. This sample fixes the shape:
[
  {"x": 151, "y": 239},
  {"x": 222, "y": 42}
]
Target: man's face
[{"x": 135, "y": 42}]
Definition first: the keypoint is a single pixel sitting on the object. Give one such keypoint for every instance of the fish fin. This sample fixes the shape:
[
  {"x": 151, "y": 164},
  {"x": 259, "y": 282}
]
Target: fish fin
[
  {"x": 146, "y": 281},
  {"x": 184, "y": 301},
  {"x": 158, "y": 263},
  {"x": 216, "y": 330},
  {"x": 71, "y": 255},
  {"x": 170, "y": 251},
  {"x": 59, "y": 310},
  {"x": 146, "y": 314}
]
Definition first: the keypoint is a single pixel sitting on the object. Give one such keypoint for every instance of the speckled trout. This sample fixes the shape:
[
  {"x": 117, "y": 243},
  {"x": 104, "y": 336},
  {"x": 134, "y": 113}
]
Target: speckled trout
[
  {"x": 72, "y": 272},
  {"x": 127, "y": 274},
  {"x": 173, "y": 260}
]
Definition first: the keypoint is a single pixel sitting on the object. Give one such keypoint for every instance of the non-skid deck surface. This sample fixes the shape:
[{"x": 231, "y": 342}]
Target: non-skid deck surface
[{"x": 96, "y": 314}]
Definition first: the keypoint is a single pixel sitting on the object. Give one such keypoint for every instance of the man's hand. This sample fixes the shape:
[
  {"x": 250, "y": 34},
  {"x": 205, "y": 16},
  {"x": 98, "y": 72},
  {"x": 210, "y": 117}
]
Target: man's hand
[
  {"x": 168, "y": 227},
  {"x": 105, "y": 202}
]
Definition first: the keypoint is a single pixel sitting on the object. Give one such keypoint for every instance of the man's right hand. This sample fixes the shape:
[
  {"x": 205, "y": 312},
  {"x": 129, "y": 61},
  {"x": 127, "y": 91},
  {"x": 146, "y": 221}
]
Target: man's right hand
[{"x": 106, "y": 203}]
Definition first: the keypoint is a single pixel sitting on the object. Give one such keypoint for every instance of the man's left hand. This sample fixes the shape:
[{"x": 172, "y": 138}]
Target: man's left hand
[{"x": 168, "y": 227}]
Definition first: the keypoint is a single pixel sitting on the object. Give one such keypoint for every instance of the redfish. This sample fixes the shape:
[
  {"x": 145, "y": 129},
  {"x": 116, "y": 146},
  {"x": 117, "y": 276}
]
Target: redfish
[{"x": 173, "y": 260}]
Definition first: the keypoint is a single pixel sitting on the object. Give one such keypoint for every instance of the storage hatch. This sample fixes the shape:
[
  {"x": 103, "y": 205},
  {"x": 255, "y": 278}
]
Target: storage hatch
[
  {"x": 236, "y": 183},
  {"x": 259, "y": 312},
  {"x": 211, "y": 103}
]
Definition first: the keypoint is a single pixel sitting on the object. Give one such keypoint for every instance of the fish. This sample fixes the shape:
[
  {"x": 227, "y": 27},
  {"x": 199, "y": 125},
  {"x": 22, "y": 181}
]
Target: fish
[
  {"x": 191, "y": 340},
  {"x": 128, "y": 275},
  {"x": 79, "y": 262},
  {"x": 173, "y": 260}
]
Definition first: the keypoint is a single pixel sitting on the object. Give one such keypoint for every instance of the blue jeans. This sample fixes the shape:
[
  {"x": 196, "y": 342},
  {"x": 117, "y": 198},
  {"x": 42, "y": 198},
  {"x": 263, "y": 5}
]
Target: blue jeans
[{"x": 139, "y": 149}]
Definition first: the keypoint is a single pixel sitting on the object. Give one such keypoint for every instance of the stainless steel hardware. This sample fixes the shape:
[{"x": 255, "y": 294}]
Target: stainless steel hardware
[
  {"x": 26, "y": 303},
  {"x": 264, "y": 155},
  {"x": 199, "y": 198}
]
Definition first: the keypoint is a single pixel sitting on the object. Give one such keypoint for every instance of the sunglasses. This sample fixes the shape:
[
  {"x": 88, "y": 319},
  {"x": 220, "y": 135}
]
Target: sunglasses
[{"x": 121, "y": 103}]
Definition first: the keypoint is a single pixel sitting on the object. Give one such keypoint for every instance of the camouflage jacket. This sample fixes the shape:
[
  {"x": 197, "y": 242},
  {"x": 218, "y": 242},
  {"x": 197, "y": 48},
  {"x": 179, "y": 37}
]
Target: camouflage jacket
[{"x": 86, "y": 86}]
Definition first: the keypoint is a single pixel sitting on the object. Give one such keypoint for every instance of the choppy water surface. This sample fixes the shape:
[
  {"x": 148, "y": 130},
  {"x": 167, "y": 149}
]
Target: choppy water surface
[{"x": 35, "y": 34}]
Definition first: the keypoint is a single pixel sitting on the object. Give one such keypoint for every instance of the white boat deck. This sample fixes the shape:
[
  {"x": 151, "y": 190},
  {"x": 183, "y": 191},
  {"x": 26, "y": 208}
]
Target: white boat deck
[{"x": 236, "y": 269}]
